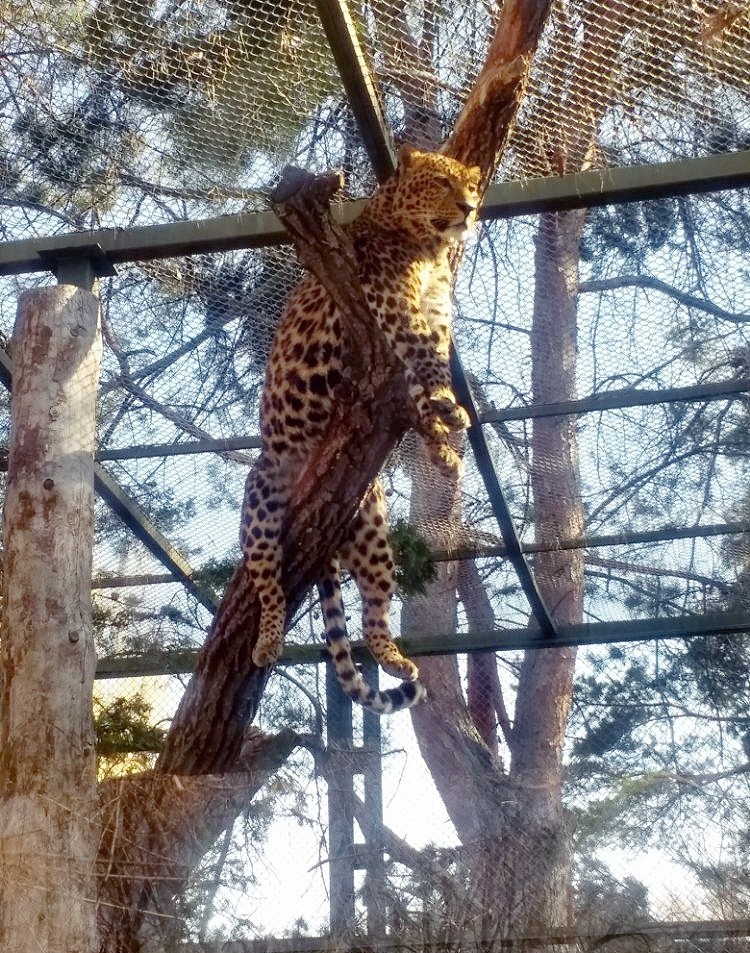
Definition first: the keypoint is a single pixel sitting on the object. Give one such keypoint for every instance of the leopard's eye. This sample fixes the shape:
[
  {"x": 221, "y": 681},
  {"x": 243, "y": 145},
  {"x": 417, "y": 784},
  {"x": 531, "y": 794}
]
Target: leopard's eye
[{"x": 444, "y": 181}]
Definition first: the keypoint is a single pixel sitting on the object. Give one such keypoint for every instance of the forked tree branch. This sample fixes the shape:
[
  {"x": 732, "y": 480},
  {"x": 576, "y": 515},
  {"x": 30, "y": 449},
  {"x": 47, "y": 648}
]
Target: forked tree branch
[{"x": 223, "y": 695}]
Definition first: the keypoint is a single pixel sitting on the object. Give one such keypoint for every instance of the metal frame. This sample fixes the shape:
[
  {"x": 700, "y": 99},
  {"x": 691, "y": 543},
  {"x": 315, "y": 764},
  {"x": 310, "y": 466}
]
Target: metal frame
[
  {"x": 359, "y": 84},
  {"x": 82, "y": 256},
  {"x": 260, "y": 229},
  {"x": 457, "y": 643},
  {"x": 693, "y": 934},
  {"x": 486, "y": 467},
  {"x": 123, "y": 505}
]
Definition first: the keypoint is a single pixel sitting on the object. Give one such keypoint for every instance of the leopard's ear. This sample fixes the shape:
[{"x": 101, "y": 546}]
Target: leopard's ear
[{"x": 406, "y": 154}]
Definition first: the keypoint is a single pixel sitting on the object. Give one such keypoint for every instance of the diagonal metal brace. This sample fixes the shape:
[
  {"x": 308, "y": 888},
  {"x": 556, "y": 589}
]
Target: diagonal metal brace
[
  {"x": 135, "y": 518},
  {"x": 359, "y": 83},
  {"x": 497, "y": 500}
]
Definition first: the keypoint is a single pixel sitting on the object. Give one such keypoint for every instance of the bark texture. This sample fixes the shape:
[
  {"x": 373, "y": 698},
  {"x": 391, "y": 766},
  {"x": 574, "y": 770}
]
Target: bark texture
[
  {"x": 148, "y": 855},
  {"x": 223, "y": 695},
  {"x": 545, "y": 684},
  {"x": 48, "y": 821},
  {"x": 510, "y": 819}
]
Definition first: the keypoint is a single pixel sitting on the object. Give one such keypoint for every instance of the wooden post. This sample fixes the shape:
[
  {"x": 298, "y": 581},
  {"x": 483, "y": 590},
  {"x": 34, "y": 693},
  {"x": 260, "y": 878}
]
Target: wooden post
[{"x": 48, "y": 822}]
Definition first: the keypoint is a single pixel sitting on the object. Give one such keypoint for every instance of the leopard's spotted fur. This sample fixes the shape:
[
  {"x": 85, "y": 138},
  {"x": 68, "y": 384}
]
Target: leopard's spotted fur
[{"x": 402, "y": 241}]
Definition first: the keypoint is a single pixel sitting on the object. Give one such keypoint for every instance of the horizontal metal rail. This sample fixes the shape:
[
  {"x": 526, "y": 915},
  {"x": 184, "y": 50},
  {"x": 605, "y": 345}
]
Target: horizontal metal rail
[
  {"x": 622, "y": 397},
  {"x": 636, "y": 183},
  {"x": 609, "y": 400},
  {"x": 217, "y": 445},
  {"x": 696, "y": 933},
  {"x": 259, "y": 229},
  {"x": 663, "y": 534},
  {"x": 359, "y": 83},
  {"x": 718, "y": 624}
]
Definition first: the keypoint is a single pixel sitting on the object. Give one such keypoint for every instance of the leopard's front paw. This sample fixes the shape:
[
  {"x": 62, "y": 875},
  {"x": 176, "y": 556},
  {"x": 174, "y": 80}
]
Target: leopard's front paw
[
  {"x": 444, "y": 408},
  {"x": 454, "y": 416}
]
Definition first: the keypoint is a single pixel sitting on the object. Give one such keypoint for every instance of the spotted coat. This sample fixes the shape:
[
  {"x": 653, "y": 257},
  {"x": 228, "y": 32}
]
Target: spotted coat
[{"x": 402, "y": 241}]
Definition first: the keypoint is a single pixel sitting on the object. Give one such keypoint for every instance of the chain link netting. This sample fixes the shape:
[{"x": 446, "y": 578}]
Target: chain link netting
[{"x": 123, "y": 113}]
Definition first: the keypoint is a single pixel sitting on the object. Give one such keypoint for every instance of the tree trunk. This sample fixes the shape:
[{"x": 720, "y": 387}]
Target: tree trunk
[
  {"x": 150, "y": 854},
  {"x": 452, "y": 747},
  {"x": 48, "y": 821},
  {"x": 512, "y": 823},
  {"x": 545, "y": 684}
]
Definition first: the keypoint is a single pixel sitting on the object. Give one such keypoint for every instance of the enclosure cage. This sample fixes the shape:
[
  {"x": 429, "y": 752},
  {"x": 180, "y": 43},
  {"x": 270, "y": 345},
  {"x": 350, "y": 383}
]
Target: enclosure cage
[{"x": 602, "y": 343}]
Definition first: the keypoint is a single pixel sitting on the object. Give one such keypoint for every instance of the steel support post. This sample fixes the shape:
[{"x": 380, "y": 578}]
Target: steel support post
[{"x": 340, "y": 778}]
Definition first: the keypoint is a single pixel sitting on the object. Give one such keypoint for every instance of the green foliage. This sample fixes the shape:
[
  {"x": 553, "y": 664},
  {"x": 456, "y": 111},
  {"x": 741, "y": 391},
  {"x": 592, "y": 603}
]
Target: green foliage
[
  {"x": 72, "y": 153},
  {"x": 216, "y": 573},
  {"x": 123, "y": 725},
  {"x": 227, "y": 86},
  {"x": 415, "y": 565},
  {"x": 602, "y": 901},
  {"x": 110, "y": 615},
  {"x": 629, "y": 230},
  {"x": 720, "y": 668}
]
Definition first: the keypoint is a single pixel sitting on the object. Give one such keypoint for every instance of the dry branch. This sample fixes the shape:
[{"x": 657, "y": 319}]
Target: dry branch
[
  {"x": 147, "y": 856},
  {"x": 224, "y": 693},
  {"x": 485, "y": 122}
]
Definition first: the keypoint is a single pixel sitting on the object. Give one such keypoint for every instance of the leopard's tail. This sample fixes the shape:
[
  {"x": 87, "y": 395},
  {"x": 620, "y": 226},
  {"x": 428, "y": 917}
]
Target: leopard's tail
[{"x": 381, "y": 702}]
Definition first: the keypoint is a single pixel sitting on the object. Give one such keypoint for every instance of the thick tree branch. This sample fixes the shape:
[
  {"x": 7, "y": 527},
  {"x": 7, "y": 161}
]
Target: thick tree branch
[
  {"x": 302, "y": 202},
  {"x": 156, "y": 827},
  {"x": 207, "y": 731},
  {"x": 223, "y": 694},
  {"x": 484, "y": 124}
]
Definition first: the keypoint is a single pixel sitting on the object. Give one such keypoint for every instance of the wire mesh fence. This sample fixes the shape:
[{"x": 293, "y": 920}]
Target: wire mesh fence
[{"x": 126, "y": 113}]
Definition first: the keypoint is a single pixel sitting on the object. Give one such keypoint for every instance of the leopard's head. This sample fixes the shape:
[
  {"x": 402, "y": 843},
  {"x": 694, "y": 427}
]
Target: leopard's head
[{"x": 434, "y": 195}]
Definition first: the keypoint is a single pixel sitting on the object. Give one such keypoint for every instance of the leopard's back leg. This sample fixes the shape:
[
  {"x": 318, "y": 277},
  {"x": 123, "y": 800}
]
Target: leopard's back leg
[
  {"x": 265, "y": 502},
  {"x": 368, "y": 555}
]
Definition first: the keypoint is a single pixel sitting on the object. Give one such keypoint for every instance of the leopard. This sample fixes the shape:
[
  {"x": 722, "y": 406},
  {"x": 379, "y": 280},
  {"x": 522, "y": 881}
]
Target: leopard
[{"x": 403, "y": 242}]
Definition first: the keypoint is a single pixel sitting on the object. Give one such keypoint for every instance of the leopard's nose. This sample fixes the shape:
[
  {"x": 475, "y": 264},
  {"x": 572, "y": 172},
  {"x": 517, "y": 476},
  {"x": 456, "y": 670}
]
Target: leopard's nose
[{"x": 465, "y": 208}]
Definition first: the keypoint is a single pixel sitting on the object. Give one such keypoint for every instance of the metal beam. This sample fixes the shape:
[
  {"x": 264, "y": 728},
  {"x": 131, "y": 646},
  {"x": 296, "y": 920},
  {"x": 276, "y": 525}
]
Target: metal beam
[
  {"x": 147, "y": 242},
  {"x": 583, "y": 633},
  {"x": 661, "y": 535},
  {"x": 486, "y": 467},
  {"x": 718, "y": 624},
  {"x": 183, "y": 447},
  {"x": 635, "y": 183},
  {"x": 144, "y": 529},
  {"x": 622, "y": 397},
  {"x": 359, "y": 84},
  {"x": 609, "y": 400},
  {"x": 340, "y": 781},
  {"x": 694, "y": 934},
  {"x": 503, "y": 200}
]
